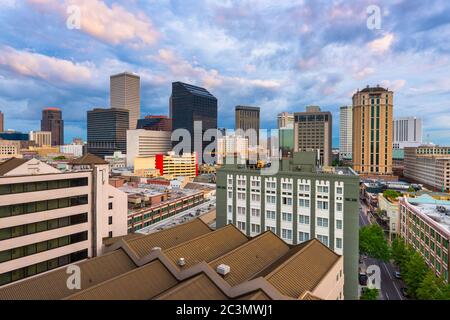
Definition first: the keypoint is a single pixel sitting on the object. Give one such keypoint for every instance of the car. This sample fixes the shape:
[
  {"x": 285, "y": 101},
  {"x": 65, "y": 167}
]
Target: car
[
  {"x": 397, "y": 275},
  {"x": 404, "y": 292},
  {"x": 363, "y": 278}
]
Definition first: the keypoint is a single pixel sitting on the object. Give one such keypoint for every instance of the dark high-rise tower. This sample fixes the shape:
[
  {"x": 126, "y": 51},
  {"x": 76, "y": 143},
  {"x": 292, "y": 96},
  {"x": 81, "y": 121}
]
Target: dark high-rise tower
[
  {"x": 107, "y": 131},
  {"x": 189, "y": 104},
  {"x": 248, "y": 118},
  {"x": 2, "y": 123},
  {"x": 52, "y": 121}
]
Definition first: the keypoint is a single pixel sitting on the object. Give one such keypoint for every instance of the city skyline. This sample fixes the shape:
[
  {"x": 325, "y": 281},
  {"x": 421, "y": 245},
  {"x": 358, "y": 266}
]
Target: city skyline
[{"x": 270, "y": 65}]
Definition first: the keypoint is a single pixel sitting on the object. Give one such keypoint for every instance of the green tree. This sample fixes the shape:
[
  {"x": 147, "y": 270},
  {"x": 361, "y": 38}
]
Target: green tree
[
  {"x": 399, "y": 252},
  {"x": 414, "y": 272},
  {"x": 373, "y": 243},
  {"x": 433, "y": 288},
  {"x": 411, "y": 189},
  {"x": 391, "y": 194},
  {"x": 370, "y": 294}
]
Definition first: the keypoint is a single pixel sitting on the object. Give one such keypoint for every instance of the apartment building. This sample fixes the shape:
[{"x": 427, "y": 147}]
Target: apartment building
[
  {"x": 143, "y": 143},
  {"x": 425, "y": 226},
  {"x": 51, "y": 218},
  {"x": 429, "y": 165},
  {"x": 298, "y": 202}
]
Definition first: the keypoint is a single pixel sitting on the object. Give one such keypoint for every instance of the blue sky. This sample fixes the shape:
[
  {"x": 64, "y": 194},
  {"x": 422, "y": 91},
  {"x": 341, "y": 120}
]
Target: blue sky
[{"x": 279, "y": 55}]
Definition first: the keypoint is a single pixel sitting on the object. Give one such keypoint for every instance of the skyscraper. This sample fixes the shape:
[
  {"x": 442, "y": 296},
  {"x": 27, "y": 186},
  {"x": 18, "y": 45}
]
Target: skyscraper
[
  {"x": 125, "y": 90},
  {"x": 285, "y": 120},
  {"x": 248, "y": 118},
  {"x": 188, "y": 104},
  {"x": 312, "y": 132},
  {"x": 52, "y": 121},
  {"x": 345, "y": 132},
  {"x": 407, "y": 132},
  {"x": 372, "y": 131},
  {"x": 2, "y": 122},
  {"x": 107, "y": 131}
]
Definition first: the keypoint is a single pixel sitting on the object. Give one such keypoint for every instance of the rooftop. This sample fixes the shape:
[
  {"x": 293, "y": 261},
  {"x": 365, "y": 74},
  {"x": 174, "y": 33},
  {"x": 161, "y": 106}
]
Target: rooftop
[
  {"x": 199, "y": 91},
  {"x": 88, "y": 159},
  {"x": 437, "y": 210}
]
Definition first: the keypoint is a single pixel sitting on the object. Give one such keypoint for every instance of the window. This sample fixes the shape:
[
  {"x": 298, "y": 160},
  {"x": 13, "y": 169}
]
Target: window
[
  {"x": 270, "y": 214},
  {"x": 303, "y": 236},
  {"x": 339, "y": 207},
  {"x": 256, "y": 228},
  {"x": 286, "y": 234},
  {"x": 241, "y": 211},
  {"x": 256, "y": 197},
  {"x": 110, "y": 234},
  {"x": 302, "y": 219},
  {"x": 339, "y": 190},
  {"x": 110, "y": 206},
  {"x": 241, "y": 195},
  {"x": 271, "y": 199},
  {"x": 323, "y": 239},
  {"x": 230, "y": 209},
  {"x": 110, "y": 220},
  {"x": 339, "y": 224},
  {"x": 286, "y": 216},
  {"x": 241, "y": 226},
  {"x": 322, "y": 205},
  {"x": 339, "y": 243},
  {"x": 287, "y": 201},
  {"x": 322, "y": 222},
  {"x": 303, "y": 203},
  {"x": 273, "y": 229},
  {"x": 256, "y": 212}
]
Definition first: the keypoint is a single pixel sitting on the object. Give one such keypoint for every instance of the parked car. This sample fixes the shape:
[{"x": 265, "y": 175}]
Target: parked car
[
  {"x": 363, "y": 278},
  {"x": 404, "y": 292},
  {"x": 397, "y": 275}
]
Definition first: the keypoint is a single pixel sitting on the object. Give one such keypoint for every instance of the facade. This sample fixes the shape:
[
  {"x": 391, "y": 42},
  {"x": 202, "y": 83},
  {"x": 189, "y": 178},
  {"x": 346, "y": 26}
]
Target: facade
[
  {"x": 170, "y": 165},
  {"x": 117, "y": 160},
  {"x": 286, "y": 141},
  {"x": 14, "y": 136},
  {"x": 425, "y": 226},
  {"x": 2, "y": 122},
  {"x": 285, "y": 120},
  {"x": 189, "y": 104},
  {"x": 107, "y": 131},
  {"x": 52, "y": 121},
  {"x": 345, "y": 132},
  {"x": 9, "y": 149},
  {"x": 155, "y": 123},
  {"x": 125, "y": 93},
  {"x": 429, "y": 165},
  {"x": 231, "y": 145},
  {"x": 74, "y": 149},
  {"x": 391, "y": 212},
  {"x": 407, "y": 132},
  {"x": 312, "y": 132},
  {"x": 50, "y": 218},
  {"x": 298, "y": 203},
  {"x": 41, "y": 138},
  {"x": 143, "y": 143},
  {"x": 372, "y": 131},
  {"x": 247, "y": 118}
]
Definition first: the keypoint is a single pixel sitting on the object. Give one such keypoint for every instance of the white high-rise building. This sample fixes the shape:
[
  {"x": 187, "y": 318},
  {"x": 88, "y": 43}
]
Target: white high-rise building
[
  {"x": 232, "y": 145},
  {"x": 41, "y": 138},
  {"x": 143, "y": 143},
  {"x": 345, "y": 130},
  {"x": 407, "y": 132},
  {"x": 125, "y": 91}
]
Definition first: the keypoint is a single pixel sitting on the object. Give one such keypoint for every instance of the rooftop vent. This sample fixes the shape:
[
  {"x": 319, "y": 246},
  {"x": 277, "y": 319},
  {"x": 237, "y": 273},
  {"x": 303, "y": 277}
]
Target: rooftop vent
[
  {"x": 156, "y": 249},
  {"x": 223, "y": 269},
  {"x": 181, "y": 262}
]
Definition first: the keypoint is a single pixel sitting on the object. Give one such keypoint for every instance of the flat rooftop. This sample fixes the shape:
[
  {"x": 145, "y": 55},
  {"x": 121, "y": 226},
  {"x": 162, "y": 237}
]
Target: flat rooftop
[{"x": 438, "y": 210}]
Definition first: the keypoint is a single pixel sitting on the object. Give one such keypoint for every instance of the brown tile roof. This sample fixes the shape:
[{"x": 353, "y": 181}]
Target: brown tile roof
[
  {"x": 207, "y": 247},
  {"x": 88, "y": 159},
  {"x": 199, "y": 287},
  {"x": 53, "y": 285},
  {"x": 303, "y": 270},
  {"x": 10, "y": 164},
  {"x": 257, "y": 295},
  {"x": 110, "y": 241},
  {"x": 168, "y": 238},
  {"x": 251, "y": 257},
  {"x": 140, "y": 284},
  {"x": 309, "y": 296}
]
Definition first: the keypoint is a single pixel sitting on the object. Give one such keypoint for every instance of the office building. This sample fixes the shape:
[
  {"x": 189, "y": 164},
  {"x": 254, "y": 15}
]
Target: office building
[
  {"x": 407, "y": 132},
  {"x": 125, "y": 93},
  {"x": 345, "y": 132},
  {"x": 429, "y": 165},
  {"x": 52, "y": 121},
  {"x": 170, "y": 165},
  {"x": 285, "y": 120},
  {"x": 372, "y": 131},
  {"x": 312, "y": 132},
  {"x": 298, "y": 202},
  {"x": 9, "y": 149},
  {"x": 41, "y": 138},
  {"x": 189, "y": 104},
  {"x": 107, "y": 131},
  {"x": 14, "y": 136},
  {"x": 143, "y": 143},
  {"x": 2, "y": 122},
  {"x": 231, "y": 146},
  {"x": 247, "y": 118},
  {"x": 286, "y": 141},
  {"x": 51, "y": 218},
  {"x": 155, "y": 123},
  {"x": 425, "y": 227},
  {"x": 193, "y": 262},
  {"x": 72, "y": 149}
]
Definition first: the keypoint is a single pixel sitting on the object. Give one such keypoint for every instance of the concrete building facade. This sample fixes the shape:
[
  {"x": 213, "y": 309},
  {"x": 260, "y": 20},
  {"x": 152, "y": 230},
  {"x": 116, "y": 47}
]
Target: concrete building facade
[
  {"x": 285, "y": 120},
  {"x": 345, "y": 132},
  {"x": 143, "y": 143},
  {"x": 407, "y": 132},
  {"x": 52, "y": 121},
  {"x": 247, "y": 118},
  {"x": 125, "y": 93},
  {"x": 41, "y": 138}
]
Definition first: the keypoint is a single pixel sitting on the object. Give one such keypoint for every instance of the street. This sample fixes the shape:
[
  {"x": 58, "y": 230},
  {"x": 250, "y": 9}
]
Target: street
[{"x": 390, "y": 286}]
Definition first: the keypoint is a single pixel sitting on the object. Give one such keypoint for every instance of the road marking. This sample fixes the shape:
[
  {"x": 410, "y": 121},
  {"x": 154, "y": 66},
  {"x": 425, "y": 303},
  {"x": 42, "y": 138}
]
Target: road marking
[
  {"x": 393, "y": 283},
  {"x": 387, "y": 296}
]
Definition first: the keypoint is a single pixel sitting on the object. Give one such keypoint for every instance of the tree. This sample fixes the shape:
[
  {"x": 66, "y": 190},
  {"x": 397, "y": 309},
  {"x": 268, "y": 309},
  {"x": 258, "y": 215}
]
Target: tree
[
  {"x": 414, "y": 272},
  {"x": 391, "y": 194},
  {"x": 370, "y": 294},
  {"x": 373, "y": 243},
  {"x": 411, "y": 189},
  {"x": 399, "y": 252},
  {"x": 433, "y": 288}
]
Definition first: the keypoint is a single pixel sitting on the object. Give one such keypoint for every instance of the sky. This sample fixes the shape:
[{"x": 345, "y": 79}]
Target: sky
[{"x": 279, "y": 55}]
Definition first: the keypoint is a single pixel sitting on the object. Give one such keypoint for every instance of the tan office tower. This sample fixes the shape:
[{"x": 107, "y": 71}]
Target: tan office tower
[
  {"x": 285, "y": 120},
  {"x": 248, "y": 118},
  {"x": 312, "y": 132},
  {"x": 125, "y": 89},
  {"x": 2, "y": 124},
  {"x": 372, "y": 131}
]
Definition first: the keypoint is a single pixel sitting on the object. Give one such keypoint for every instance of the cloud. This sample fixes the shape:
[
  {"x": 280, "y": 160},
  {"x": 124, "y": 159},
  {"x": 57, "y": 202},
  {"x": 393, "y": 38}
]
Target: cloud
[
  {"x": 114, "y": 24},
  {"x": 381, "y": 45}
]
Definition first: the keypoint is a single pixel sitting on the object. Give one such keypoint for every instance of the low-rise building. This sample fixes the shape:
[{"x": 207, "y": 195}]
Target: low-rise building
[
  {"x": 50, "y": 218},
  {"x": 41, "y": 138},
  {"x": 9, "y": 149},
  {"x": 169, "y": 165},
  {"x": 425, "y": 226},
  {"x": 390, "y": 214},
  {"x": 117, "y": 160},
  {"x": 75, "y": 149}
]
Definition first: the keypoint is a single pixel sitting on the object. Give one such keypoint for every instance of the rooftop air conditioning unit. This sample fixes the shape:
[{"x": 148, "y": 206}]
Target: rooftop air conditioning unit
[
  {"x": 181, "y": 262},
  {"x": 223, "y": 269}
]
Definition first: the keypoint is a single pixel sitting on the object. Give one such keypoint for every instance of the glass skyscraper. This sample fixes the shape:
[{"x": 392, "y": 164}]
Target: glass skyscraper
[{"x": 189, "y": 104}]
